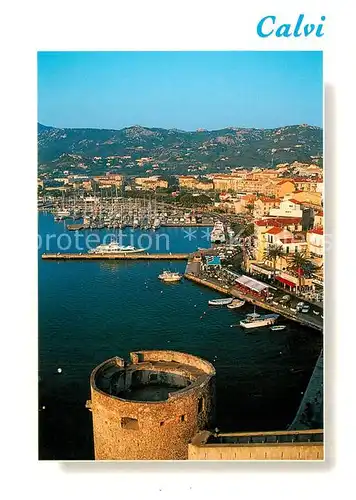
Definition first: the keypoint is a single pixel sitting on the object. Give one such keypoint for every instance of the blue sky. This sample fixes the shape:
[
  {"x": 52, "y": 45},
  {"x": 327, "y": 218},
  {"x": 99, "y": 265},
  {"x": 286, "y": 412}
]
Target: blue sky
[{"x": 185, "y": 90}]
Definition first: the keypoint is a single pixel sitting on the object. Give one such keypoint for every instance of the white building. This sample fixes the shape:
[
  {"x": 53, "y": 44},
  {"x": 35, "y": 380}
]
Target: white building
[
  {"x": 315, "y": 240},
  {"x": 284, "y": 239},
  {"x": 287, "y": 208}
]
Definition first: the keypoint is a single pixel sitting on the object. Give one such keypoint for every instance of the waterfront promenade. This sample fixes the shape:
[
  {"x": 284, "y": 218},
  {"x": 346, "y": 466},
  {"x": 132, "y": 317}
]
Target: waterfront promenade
[
  {"x": 116, "y": 256},
  {"x": 315, "y": 323}
]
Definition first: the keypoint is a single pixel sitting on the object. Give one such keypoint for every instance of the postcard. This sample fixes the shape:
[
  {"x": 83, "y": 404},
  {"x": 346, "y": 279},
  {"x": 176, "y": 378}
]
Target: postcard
[{"x": 181, "y": 253}]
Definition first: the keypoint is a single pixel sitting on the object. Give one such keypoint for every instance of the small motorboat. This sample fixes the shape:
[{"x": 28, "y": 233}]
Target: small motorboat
[
  {"x": 236, "y": 303},
  {"x": 276, "y": 328},
  {"x": 170, "y": 277},
  {"x": 316, "y": 312},
  {"x": 220, "y": 302}
]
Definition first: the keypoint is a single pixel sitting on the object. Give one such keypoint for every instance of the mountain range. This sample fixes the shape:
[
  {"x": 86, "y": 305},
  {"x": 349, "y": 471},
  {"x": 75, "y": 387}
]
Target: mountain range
[{"x": 176, "y": 151}]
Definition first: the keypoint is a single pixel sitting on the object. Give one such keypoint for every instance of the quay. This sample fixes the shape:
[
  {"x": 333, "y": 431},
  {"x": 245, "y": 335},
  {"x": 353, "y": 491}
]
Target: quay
[
  {"x": 316, "y": 324},
  {"x": 123, "y": 256},
  {"x": 80, "y": 227}
]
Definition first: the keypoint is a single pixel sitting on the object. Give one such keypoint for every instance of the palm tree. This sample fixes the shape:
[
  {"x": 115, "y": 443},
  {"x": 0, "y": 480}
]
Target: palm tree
[
  {"x": 250, "y": 207},
  {"x": 273, "y": 252},
  {"x": 301, "y": 265}
]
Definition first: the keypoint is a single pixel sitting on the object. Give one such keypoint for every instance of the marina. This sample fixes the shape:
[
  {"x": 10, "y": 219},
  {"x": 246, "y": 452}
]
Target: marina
[{"x": 116, "y": 212}]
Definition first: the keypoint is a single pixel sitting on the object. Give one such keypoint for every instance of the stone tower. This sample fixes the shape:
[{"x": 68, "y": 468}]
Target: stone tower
[{"x": 151, "y": 407}]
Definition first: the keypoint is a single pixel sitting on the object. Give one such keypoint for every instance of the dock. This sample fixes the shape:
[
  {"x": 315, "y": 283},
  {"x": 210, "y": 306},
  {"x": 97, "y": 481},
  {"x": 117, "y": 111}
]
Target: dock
[
  {"x": 316, "y": 324},
  {"x": 121, "y": 256},
  {"x": 80, "y": 227}
]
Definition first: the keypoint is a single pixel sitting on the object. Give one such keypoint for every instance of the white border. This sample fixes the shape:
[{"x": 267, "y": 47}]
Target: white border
[{"x": 115, "y": 25}]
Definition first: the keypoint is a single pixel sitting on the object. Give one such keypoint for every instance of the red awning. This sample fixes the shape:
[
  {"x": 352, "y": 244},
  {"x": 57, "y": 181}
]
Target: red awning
[{"x": 286, "y": 282}]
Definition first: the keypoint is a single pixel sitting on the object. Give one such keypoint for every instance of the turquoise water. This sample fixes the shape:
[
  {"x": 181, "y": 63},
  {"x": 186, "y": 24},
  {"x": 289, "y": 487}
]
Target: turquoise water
[{"x": 91, "y": 311}]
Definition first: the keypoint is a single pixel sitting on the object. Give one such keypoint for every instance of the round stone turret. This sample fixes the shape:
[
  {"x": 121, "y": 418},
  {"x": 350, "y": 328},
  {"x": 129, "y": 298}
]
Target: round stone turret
[{"x": 150, "y": 407}]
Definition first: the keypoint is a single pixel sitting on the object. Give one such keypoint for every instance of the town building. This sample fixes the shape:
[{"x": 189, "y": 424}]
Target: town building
[
  {"x": 108, "y": 180},
  {"x": 285, "y": 239},
  {"x": 263, "y": 206},
  {"x": 284, "y": 187},
  {"x": 194, "y": 182},
  {"x": 318, "y": 219},
  {"x": 307, "y": 183},
  {"x": 308, "y": 198},
  {"x": 315, "y": 241},
  {"x": 151, "y": 183},
  {"x": 288, "y": 207}
]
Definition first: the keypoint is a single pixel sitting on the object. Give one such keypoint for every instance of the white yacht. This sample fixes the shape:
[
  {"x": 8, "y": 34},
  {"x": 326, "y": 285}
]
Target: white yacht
[
  {"x": 217, "y": 234},
  {"x": 262, "y": 320},
  {"x": 170, "y": 277},
  {"x": 114, "y": 248}
]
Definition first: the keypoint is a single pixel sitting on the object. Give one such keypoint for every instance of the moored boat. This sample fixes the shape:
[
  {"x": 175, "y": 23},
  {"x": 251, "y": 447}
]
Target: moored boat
[
  {"x": 262, "y": 320},
  {"x": 220, "y": 302},
  {"x": 114, "y": 248},
  {"x": 277, "y": 328},
  {"x": 217, "y": 234},
  {"x": 236, "y": 303}
]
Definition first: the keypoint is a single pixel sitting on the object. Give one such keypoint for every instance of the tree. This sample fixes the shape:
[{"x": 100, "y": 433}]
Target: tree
[
  {"x": 273, "y": 252},
  {"x": 301, "y": 265},
  {"x": 250, "y": 207}
]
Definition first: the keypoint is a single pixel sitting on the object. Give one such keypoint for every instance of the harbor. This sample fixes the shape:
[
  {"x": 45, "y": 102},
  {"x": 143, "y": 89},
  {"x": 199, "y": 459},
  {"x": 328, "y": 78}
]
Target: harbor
[{"x": 98, "y": 304}]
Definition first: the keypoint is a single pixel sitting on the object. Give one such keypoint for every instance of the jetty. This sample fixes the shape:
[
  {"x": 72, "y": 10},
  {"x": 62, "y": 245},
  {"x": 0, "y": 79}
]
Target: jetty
[
  {"x": 315, "y": 323},
  {"x": 117, "y": 256}
]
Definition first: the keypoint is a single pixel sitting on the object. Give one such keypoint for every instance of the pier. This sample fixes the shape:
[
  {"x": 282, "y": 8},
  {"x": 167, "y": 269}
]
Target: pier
[
  {"x": 316, "y": 324},
  {"x": 117, "y": 256}
]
